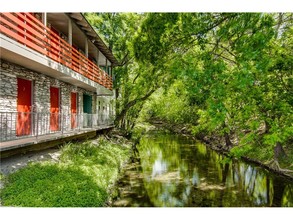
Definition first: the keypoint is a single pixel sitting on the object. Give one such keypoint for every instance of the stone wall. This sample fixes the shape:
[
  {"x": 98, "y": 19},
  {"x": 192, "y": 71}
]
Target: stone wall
[
  {"x": 9, "y": 73},
  {"x": 8, "y": 88}
]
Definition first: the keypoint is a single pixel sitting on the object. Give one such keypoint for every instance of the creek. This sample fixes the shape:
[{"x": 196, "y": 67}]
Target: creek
[{"x": 175, "y": 171}]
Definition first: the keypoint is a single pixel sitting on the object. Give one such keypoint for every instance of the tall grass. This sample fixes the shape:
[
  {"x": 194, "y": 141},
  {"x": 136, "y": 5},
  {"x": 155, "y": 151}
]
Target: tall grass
[{"x": 81, "y": 178}]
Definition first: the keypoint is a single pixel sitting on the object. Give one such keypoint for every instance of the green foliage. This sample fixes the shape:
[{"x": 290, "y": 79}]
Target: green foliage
[
  {"x": 236, "y": 72},
  {"x": 170, "y": 105},
  {"x": 223, "y": 73},
  {"x": 238, "y": 151},
  {"x": 134, "y": 81},
  {"x": 82, "y": 150},
  {"x": 81, "y": 178},
  {"x": 50, "y": 185},
  {"x": 279, "y": 132}
]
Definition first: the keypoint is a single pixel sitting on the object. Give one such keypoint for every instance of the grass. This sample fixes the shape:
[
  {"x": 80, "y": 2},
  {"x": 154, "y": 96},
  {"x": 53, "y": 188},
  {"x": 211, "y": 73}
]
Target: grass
[{"x": 82, "y": 177}]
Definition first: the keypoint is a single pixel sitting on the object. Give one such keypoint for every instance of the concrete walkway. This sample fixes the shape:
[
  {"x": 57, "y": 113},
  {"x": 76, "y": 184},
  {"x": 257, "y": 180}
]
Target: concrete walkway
[{"x": 16, "y": 162}]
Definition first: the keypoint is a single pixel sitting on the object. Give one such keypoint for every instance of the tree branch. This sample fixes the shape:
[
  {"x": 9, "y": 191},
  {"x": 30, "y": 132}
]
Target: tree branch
[
  {"x": 121, "y": 115},
  {"x": 225, "y": 58},
  {"x": 135, "y": 78}
]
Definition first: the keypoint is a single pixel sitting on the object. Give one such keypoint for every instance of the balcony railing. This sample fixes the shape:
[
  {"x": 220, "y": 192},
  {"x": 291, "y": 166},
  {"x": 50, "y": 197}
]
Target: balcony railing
[
  {"x": 17, "y": 125},
  {"x": 30, "y": 32}
]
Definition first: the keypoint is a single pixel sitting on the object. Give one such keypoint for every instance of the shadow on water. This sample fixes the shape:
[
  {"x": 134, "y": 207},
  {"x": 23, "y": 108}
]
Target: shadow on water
[{"x": 174, "y": 171}]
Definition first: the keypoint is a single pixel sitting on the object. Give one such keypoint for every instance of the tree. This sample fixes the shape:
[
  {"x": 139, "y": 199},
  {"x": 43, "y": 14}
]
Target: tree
[
  {"x": 234, "y": 72},
  {"x": 134, "y": 81},
  {"x": 237, "y": 69}
]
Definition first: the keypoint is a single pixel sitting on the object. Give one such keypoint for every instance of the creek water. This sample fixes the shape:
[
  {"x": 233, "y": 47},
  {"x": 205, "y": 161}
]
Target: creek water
[{"x": 174, "y": 171}]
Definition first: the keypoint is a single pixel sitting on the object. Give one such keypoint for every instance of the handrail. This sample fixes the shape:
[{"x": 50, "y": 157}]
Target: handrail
[
  {"x": 29, "y": 31},
  {"x": 17, "y": 125}
]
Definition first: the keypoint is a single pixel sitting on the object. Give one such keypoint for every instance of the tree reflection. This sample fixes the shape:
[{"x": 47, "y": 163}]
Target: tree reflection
[
  {"x": 180, "y": 172},
  {"x": 279, "y": 188}
]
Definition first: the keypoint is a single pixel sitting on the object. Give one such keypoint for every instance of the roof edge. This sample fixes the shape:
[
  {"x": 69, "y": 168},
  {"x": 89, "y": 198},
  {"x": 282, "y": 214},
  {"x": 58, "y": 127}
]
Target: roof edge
[{"x": 88, "y": 29}]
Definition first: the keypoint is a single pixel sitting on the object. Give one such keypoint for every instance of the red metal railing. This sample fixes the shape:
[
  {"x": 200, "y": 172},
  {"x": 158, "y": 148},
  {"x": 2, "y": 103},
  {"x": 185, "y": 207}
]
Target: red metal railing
[{"x": 29, "y": 31}]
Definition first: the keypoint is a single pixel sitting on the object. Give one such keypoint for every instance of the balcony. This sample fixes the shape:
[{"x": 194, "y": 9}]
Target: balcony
[
  {"x": 27, "y": 30},
  {"x": 22, "y": 129}
]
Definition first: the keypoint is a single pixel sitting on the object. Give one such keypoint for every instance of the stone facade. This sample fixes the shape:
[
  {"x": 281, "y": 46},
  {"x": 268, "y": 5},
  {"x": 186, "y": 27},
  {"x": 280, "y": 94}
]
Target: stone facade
[
  {"x": 41, "y": 90},
  {"x": 41, "y": 84},
  {"x": 8, "y": 88}
]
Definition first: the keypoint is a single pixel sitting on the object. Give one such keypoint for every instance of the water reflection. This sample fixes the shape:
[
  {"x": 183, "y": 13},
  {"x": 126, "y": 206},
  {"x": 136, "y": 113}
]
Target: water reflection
[{"x": 175, "y": 171}]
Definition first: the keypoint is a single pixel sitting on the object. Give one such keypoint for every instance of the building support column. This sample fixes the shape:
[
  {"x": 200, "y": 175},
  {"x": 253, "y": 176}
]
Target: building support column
[
  {"x": 69, "y": 31},
  {"x": 112, "y": 74},
  {"x": 97, "y": 56},
  {"x": 107, "y": 66},
  {"x": 86, "y": 48},
  {"x": 44, "y": 18}
]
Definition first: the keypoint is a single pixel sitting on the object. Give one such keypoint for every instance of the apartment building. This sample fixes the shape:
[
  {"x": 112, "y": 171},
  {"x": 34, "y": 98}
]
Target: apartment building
[{"x": 56, "y": 76}]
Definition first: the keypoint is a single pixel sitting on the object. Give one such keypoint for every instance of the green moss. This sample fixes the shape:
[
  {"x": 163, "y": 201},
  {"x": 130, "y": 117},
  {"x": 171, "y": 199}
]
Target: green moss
[{"x": 81, "y": 178}]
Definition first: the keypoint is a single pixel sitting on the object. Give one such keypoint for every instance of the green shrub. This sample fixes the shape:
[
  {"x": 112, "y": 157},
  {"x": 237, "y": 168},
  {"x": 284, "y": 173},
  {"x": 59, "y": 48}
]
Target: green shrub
[
  {"x": 240, "y": 151},
  {"x": 52, "y": 185},
  {"x": 81, "y": 178}
]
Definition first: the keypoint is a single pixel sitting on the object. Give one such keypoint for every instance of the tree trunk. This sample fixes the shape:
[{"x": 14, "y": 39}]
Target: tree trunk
[
  {"x": 224, "y": 178},
  {"x": 279, "y": 151},
  {"x": 122, "y": 114},
  {"x": 279, "y": 188},
  {"x": 228, "y": 141},
  {"x": 268, "y": 190}
]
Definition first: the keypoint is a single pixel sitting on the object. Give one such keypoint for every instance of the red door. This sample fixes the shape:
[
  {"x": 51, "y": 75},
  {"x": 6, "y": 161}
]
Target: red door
[
  {"x": 24, "y": 105},
  {"x": 54, "y": 110},
  {"x": 73, "y": 110}
]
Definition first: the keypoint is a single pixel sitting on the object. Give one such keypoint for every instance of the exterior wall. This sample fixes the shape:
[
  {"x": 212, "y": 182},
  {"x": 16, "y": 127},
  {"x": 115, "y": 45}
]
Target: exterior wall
[
  {"x": 8, "y": 88},
  {"x": 86, "y": 119},
  {"x": 40, "y": 101},
  {"x": 82, "y": 91},
  {"x": 8, "y": 101}
]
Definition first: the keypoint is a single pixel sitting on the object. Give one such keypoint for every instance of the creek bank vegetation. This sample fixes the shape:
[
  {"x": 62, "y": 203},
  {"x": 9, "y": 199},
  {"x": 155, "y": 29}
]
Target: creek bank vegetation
[
  {"x": 84, "y": 176},
  {"x": 219, "y": 144}
]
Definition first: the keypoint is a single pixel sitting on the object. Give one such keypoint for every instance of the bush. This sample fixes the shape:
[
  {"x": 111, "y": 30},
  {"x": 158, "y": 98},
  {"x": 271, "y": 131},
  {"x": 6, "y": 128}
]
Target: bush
[
  {"x": 82, "y": 178},
  {"x": 52, "y": 185}
]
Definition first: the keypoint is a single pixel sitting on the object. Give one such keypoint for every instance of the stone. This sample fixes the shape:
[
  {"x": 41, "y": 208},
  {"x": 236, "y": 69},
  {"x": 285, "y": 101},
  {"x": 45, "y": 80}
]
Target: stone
[{"x": 5, "y": 65}]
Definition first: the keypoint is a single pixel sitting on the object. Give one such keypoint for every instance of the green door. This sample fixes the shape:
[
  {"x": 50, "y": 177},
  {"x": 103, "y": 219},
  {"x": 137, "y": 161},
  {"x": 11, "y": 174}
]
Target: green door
[{"x": 87, "y": 104}]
